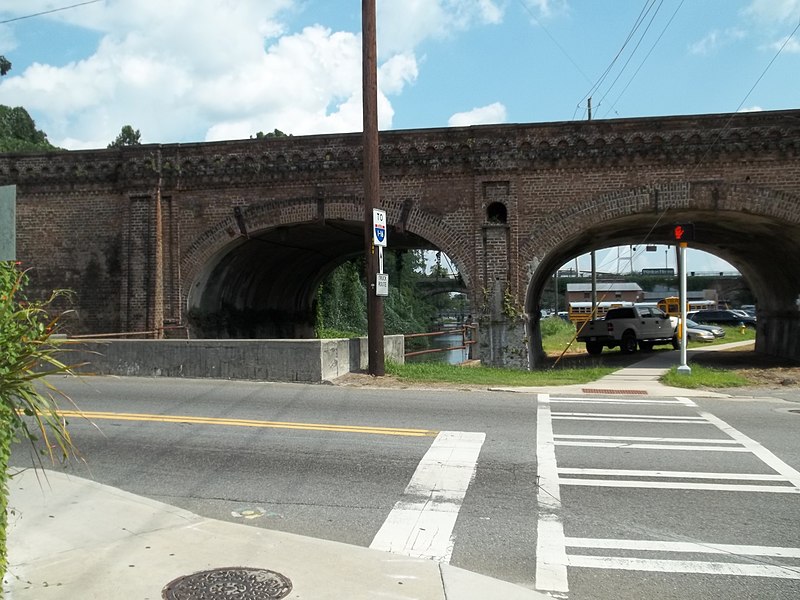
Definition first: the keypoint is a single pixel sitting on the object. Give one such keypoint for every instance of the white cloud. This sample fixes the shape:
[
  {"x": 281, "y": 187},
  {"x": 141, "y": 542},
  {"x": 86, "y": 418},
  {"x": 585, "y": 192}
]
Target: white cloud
[
  {"x": 774, "y": 10},
  {"x": 751, "y": 109},
  {"x": 549, "y": 8},
  {"x": 791, "y": 46},
  {"x": 715, "y": 40},
  {"x": 186, "y": 70},
  {"x": 492, "y": 113},
  {"x": 403, "y": 25}
]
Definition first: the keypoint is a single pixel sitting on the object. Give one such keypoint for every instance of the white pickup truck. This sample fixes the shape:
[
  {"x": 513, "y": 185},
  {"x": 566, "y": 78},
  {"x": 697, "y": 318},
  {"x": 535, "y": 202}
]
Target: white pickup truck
[{"x": 629, "y": 327}]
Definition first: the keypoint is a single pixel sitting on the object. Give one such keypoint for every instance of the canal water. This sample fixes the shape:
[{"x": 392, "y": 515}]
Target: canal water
[{"x": 447, "y": 340}]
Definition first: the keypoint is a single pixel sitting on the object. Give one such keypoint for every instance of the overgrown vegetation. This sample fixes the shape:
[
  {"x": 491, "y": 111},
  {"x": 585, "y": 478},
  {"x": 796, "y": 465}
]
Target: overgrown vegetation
[
  {"x": 28, "y": 406},
  {"x": 342, "y": 298}
]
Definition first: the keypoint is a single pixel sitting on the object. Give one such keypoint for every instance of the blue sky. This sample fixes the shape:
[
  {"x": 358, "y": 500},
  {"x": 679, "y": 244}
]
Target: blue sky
[{"x": 192, "y": 70}]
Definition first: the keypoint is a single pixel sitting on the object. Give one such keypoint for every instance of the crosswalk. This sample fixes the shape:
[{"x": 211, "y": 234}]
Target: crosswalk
[{"x": 606, "y": 426}]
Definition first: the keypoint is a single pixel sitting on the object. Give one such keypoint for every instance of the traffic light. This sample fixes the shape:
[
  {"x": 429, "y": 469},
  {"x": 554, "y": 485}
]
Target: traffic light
[{"x": 683, "y": 232}]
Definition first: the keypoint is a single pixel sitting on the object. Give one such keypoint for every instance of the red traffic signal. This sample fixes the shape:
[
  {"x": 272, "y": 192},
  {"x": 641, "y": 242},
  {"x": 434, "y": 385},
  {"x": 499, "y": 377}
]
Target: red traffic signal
[{"x": 683, "y": 232}]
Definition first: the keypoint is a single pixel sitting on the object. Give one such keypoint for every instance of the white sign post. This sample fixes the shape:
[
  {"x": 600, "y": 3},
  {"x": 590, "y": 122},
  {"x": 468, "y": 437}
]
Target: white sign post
[{"x": 379, "y": 240}]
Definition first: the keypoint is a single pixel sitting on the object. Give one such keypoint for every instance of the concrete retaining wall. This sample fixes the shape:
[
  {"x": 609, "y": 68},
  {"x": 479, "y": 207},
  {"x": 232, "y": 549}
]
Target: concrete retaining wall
[{"x": 307, "y": 361}]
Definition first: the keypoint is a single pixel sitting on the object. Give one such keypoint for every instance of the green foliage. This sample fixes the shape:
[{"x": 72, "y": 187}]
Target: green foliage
[
  {"x": 342, "y": 297},
  {"x": 28, "y": 407},
  {"x": 342, "y": 301},
  {"x": 5, "y": 65},
  {"x": 18, "y": 132},
  {"x": 274, "y": 134},
  {"x": 128, "y": 136}
]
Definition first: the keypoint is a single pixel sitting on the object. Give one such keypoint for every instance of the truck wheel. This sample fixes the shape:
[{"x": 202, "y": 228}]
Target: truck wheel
[
  {"x": 594, "y": 347},
  {"x": 676, "y": 343},
  {"x": 628, "y": 343}
]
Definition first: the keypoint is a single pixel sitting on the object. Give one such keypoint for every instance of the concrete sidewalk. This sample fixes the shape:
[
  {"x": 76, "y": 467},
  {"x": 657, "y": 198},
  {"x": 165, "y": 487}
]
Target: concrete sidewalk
[
  {"x": 639, "y": 379},
  {"x": 71, "y": 538}
]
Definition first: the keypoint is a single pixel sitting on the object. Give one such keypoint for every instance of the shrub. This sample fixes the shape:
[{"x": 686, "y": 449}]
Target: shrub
[{"x": 28, "y": 407}]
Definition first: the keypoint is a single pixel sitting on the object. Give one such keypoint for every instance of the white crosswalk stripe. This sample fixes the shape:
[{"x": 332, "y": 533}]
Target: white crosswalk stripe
[{"x": 668, "y": 556}]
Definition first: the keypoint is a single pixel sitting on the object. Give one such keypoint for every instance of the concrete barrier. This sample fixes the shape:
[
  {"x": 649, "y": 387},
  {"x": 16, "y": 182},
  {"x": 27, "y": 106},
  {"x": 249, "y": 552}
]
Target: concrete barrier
[{"x": 307, "y": 361}]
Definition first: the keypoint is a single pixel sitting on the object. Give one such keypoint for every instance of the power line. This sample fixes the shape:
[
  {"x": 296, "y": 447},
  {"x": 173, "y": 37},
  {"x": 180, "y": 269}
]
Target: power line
[
  {"x": 641, "y": 64},
  {"x": 648, "y": 5},
  {"x": 552, "y": 39},
  {"x": 630, "y": 58},
  {"x": 47, "y": 12}
]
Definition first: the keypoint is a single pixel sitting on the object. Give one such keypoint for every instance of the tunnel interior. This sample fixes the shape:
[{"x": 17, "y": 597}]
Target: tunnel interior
[
  {"x": 264, "y": 285},
  {"x": 765, "y": 250}
]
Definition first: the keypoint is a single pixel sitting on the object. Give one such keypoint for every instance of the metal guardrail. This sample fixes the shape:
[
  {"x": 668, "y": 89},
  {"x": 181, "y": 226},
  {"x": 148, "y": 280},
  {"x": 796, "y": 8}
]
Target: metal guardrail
[{"x": 469, "y": 337}]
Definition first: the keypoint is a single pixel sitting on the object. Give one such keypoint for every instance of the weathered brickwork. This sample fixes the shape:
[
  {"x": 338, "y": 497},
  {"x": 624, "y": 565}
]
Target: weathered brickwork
[{"x": 250, "y": 227}]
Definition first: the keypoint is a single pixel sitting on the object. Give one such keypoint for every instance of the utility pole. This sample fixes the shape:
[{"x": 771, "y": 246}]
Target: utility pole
[
  {"x": 594, "y": 256},
  {"x": 369, "y": 57}
]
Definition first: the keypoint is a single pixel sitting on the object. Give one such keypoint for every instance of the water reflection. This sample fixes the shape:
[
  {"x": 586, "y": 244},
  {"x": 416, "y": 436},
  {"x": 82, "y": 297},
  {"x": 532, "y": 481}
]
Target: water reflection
[{"x": 447, "y": 340}]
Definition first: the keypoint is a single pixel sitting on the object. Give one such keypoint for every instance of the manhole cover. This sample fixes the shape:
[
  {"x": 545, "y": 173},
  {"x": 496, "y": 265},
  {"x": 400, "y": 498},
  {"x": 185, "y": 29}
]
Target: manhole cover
[{"x": 232, "y": 583}]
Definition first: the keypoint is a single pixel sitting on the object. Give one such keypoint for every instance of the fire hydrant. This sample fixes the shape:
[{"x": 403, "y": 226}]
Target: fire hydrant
[{"x": 742, "y": 327}]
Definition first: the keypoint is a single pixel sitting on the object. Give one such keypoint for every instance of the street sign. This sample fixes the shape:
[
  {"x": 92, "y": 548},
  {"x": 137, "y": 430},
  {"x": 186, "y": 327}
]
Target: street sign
[
  {"x": 381, "y": 284},
  {"x": 379, "y": 227}
]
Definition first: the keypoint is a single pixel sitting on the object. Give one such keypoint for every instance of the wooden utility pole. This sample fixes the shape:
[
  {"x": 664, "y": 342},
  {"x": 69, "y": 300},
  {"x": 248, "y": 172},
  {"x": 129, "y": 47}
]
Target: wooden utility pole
[{"x": 369, "y": 56}]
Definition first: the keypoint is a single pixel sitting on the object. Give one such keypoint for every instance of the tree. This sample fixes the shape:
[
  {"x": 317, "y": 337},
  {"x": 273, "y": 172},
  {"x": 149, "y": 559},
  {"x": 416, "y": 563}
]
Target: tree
[
  {"x": 18, "y": 132},
  {"x": 5, "y": 65},
  {"x": 275, "y": 134},
  {"x": 27, "y": 410},
  {"x": 127, "y": 137}
]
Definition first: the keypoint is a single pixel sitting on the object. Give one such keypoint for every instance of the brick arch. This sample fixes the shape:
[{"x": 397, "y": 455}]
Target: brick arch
[
  {"x": 734, "y": 219},
  {"x": 269, "y": 215},
  {"x": 673, "y": 197}
]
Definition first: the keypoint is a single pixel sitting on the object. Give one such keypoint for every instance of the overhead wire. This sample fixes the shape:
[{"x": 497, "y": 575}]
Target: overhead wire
[
  {"x": 649, "y": 52},
  {"x": 52, "y": 10},
  {"x": 646, "y": 8},
  {"x": 554, "y": 40},
  {"x": 630, "y": 57}
]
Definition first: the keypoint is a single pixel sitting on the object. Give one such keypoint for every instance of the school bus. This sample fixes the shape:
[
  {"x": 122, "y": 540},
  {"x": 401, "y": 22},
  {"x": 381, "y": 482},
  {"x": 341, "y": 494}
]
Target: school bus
[
  {"x": 672, "y": 305},
  {"x": 580, "y": 312}
]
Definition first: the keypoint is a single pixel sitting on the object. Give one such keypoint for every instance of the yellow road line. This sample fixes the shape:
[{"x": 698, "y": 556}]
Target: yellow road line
[{"x": 113, "y": 416}]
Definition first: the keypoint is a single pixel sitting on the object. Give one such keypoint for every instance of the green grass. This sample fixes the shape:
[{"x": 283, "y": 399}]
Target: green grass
[
  {"x": 440, "y": 372},
  {"x": 703, "y": 377},
  {"x": 732, "y": 334}
]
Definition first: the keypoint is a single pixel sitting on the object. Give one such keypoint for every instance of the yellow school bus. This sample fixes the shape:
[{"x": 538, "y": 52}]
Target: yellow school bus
[
  {"x": 672, "y": 305},
  {"x": 580, "y": 312}
]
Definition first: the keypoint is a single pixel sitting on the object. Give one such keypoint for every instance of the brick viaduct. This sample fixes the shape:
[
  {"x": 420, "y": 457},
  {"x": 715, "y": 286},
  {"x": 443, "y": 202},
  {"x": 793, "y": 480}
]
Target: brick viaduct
[{"x": 234, "y": 237}]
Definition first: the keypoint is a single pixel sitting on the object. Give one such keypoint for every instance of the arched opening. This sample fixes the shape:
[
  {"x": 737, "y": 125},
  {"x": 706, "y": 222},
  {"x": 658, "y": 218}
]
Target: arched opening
[
  {"x": 264, "y": 285},
  {"x": 735, "y": 236},
  {"x": 497, "y": 213}
]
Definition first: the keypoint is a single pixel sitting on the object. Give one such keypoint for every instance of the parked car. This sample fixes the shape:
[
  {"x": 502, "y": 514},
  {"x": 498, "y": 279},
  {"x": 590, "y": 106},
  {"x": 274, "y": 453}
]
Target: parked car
[
  {"x": 695, "y": 334},
  {"x": 715, "y": 330},
  {"x": 721, "y": 317}
]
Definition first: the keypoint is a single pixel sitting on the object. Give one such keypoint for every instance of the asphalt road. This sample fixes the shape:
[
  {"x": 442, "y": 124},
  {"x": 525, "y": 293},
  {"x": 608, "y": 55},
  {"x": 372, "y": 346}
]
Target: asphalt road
[{"x": 589, "y": 498}]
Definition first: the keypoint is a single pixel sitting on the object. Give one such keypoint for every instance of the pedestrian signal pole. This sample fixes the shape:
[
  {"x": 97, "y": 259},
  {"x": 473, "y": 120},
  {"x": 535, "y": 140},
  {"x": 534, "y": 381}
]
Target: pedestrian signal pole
[{"x": 682, "y": 233}]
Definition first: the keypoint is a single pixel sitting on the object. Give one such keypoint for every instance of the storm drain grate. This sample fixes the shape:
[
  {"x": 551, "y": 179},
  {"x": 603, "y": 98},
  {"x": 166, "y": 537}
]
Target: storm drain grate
[
  {"x": 602, "y": 391},
  {"x": 231, "y": 583}
]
